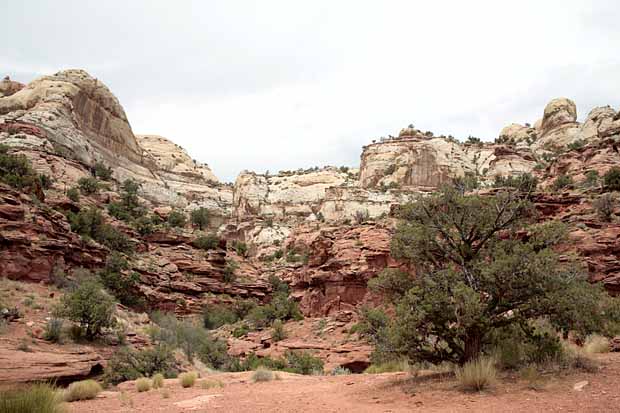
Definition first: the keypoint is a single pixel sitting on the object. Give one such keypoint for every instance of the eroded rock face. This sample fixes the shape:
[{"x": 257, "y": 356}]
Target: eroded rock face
[{"x": 9, "y": 87}]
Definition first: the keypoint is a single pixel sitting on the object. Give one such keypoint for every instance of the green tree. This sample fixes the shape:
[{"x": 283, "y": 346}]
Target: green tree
[
  {"x": 475, "y": 275},
  {"x": 102, "y": 171},
  {"x": 89, "y": 306},
  {"x": 200, "y": 217},
  {"x": 176, "y": 219},
  {"x": 122, "y": 285},
  {"x": 612, "y": 179},
  {"x": 88, "y": 185}
]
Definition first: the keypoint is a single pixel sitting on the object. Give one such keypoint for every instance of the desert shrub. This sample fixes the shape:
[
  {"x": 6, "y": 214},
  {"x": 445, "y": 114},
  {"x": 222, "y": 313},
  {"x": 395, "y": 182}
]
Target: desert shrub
[
  {"x": 53, "y": 330},
  {"x": 200, "y": 217},
  {"x": 88, "y": 185},
  {"x": 597, "y": 344},
  {"x": 188, "y": 379},
  {"x": 477, "y": 375},
  {"x": 576, "y": 145},
  {"x": 82, "y": 390},
  {"x": 73, "y": 194},
  {"x": 144, "y": 225},
  {"x": 102, "y": 171},
  {"x": 611, "y": 179},
  {"x": 262, "y": 374},
  {"x": 472, "y": 140},
  {"x": 16, "y": 170},
  {"x": 207, "y": 242},
  {"x": 361, "y": 216},
  {"x": 143, "y": 384},
  {"x": 302, "y": 362},
  {"x": 118, "y": 211},
  {"x": 604, "y": 206},
  {"x": 89, "y": 223},
  {"x": 240, "y": 247},
  {"x": 278, "y": 333},
  {"x": 562, "y": 181},
  {"x": 592, "y": 179},
  {"x": 89, "y": 306},
  {"x": 229, "y": 275},
  {"x": 122, "y": 286},
  {"x": 466, "y": 183},
  {"x": 533, "y": 377},
  {"x": 472, "y": 268},
  {"x": 46, "y": 181},
  {"x": 158, "y": 381},
  {"x": 391, "y": 366},
  {"x": 241, "y": 331},
  {"x": 215, "y": 316},
  {"x": 523, "y": 182},
  {"x": 130, "y": 364},
  {"x": 39, "y": 398},
  {"x": 176, "y": 219},
  {"x": 340, "y": 371},
  {"x": 113, "y": 238}
]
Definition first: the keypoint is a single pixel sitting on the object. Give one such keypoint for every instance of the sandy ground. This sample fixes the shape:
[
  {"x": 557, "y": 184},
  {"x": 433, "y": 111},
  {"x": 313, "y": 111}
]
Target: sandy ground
[{"x": 390, "y": 392}]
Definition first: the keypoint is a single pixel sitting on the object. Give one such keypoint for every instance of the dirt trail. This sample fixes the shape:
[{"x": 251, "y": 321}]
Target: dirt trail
[{"x": 391, "y": 392}]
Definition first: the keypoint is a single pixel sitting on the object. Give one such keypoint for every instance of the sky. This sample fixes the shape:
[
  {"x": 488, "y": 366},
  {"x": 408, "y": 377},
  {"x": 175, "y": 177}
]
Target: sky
[{"x": 276, "y": 85}]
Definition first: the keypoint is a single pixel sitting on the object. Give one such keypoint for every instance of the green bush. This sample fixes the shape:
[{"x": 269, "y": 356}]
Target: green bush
[
  {"x": 129, "y": 364},
  {"x": 604, "y": 206},
  {"x": 200, "y": 217},
  {"x": 188, "y": 379},
  {"x": 240, "y": 247},
  {"x": 73, "y": 194},
  {"x": 262, "y": 374},
  {"x": 53, "y": 330},
  {"x": 576, "y": 145},
  {"x": 176, "y": 219},
  {"x": 523, "y": 182},
  {"x": 123, "y": 286},
  {"x": 16, "y": 170},
  {"x": 206, "y": 242},
  {"x": 82, "y": 390},
  {"x": 143, "y": 384},
  {"x": 144, "y": 225},
  {"x": 229, "y": 275},
  {"x": 118, "y": 211},
  {"x": 215, "y": 316},
  {"x": 278, "y": 333},
  {"x": 611, "y": 179},
  {"x": 38, "y": 398},
  {"x": 562, "y": 181},
  {"x": 89, "y": 223},
  {"x": 302, "y": 362},
  {"x": 477, "y": 375},
  {"x": 89, "y": 306},
  {"x": 46, "y": 181},
  {"x": 158, "y": 381},
  {"x": 241, "y": 331},
  {"x": 102, "y": 171},
  {"x": 88, "y": 185}
]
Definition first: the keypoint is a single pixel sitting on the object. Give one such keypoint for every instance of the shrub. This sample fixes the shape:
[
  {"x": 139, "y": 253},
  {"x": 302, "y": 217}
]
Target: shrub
[
  {"x": 576, "y": 145},
  {"x": 89, "y": 306},
  {"x": 229, "y": 275},
  {"x": 53, "y": 330},
  {"x": 392, "y": 366},
  {"x": 241, "y": 331},
  {"x": 262, "y": 374},
  {"x": 340, "y": 371},
  {"x": 158, "y": 381},
  {"x": 176, "y": 219},
  {"x": 144, "y": 225},
  {"x": 188, "y": 379},
  {"x": 113, "y": 238},
  {"x": 73, "y": 194},
  {"x": 102, "y": 171},
  {"x": 241, "y": 248},
  {"x": 143, "y": 384},
  {"x": 200, "y": 217},
  {"x": 477, "y": 375},
  {"x": 39, "y": 398},
  {"x": 532, "y": 377},
  {"x": 16, "y": 170},
  {"x": 207, "y": 242},
  {"x": 466, "y": 183},
  {"x": 361, "y": 216},
  {"x": 89, "y": 223},
  {"x": 611, "y": 179},
  {"x": 278, "y": 333},
  {"x": 215, "y": 316},
  {"x": 88, "y": 185},
  {"x": 604, "y": 206},
  {"x": 129, "y": 364},
  {"x": 561, "y": 182},
  {"x": 597, "y": 344},
  {"x": 592, "y": 179},
  {"x": 523, "y": 182},
  {"x": 302, "y": 362},
  {"x": 46, "y": 181},
  {"x": 118, "y": 211},
  {"x": 122, "y": 286},
  {"x": 82, "y": 390}
]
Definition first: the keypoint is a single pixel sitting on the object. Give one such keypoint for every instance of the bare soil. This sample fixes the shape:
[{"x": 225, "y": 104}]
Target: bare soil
[{"x": 389, "y": 392}]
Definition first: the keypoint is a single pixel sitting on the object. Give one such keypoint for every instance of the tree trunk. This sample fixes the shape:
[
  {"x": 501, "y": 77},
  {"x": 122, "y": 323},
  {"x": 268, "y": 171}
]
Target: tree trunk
[{"x": 473, "y": 346}]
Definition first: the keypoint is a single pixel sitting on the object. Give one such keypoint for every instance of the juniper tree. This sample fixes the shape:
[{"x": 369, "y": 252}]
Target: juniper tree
[{"x": 478, "y": 271}]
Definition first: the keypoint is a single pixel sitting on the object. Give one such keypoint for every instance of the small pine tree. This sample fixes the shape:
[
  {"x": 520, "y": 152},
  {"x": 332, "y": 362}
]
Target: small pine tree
[{"x": 200, "y": 217}]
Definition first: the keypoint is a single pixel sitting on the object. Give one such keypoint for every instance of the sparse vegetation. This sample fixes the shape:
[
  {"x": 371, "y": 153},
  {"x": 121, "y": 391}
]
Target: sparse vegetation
[
  {"x": 53, "y": 330},
  {"x": 523, "y": 182},
  {"x": 611, "y": 179},
  {"x": 89, "y": 306},
  {"x": 88, "y": 185},
  {"x": 89, "y": 223},
  {"x": 597, "y": 344},
  {"x": 73, "y": 194},
  {"x": 82, "y": 390},
  {"x": 278, "y": 333},
  {"x": 102, "y": 171},
  {"x": 122, "y": 286},
  {"x": 39, "y": 398},
  {"x": 561, "y": 182},
  {"x": 207, "y": 242},
  {"x": 176, "y": 219},
  {"x": 229, "y": 275},
  {"x": 16, "y": 171},
  {"x": 262, "y": 374},
  {"x": 188, "y": 379},
  {"x": 302, "y": 362},
  {"x": 129, "y": 364},
  {"x": 477, "y": 375},
  {"x": 143, "y": 384},
  {"x": 576, "y": 145},
  {"x": 200, "y": 217},
  {"x": 604, "y": 206},
  {"x": 158, "y": 381}
]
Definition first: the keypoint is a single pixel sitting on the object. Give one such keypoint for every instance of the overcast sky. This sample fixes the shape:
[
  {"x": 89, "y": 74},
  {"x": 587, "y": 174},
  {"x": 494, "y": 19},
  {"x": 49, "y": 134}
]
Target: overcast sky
[{"x": 270, "y": 85}]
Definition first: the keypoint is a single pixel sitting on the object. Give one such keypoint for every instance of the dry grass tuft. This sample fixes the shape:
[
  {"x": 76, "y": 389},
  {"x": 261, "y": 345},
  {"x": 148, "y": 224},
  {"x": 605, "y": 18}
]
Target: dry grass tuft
[
  {"x": 262, "y": 374},
  {"x": 143, "y": 384},
  {"x": 188, "y": 379},
  {"x": 82, "y": 390},
  {"x": 597, "y": 344},
  {"x": 158, "y": 381},
  {"x": 477, "y": 375}
]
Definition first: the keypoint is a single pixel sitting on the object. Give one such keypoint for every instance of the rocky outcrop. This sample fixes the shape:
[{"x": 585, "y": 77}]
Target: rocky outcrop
[
  {"x": 35, "y": 239},
  {"x": 9, "y": 87}
]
